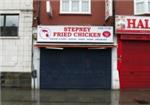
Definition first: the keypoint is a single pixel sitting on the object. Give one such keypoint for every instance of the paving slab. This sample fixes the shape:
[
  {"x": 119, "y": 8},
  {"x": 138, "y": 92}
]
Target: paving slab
[{"x": 15, "y": 96}]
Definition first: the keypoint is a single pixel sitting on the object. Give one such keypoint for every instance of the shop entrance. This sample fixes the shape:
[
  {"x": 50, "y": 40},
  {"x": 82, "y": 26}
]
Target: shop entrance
[
  {"x": 75, "y": 68},
  {"x": 134, "y": 63}
]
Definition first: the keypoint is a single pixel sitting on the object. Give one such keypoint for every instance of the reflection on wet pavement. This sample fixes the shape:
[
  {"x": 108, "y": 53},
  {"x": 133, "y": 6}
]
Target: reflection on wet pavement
[{"x": 74, "y": 97}]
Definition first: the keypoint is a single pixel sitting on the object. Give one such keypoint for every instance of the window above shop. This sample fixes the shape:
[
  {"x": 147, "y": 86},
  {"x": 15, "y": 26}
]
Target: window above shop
[
  {"x": 75, "y": 6},
  {"x": 9, "y": 24},
  {"x": 141, "y": 7}
]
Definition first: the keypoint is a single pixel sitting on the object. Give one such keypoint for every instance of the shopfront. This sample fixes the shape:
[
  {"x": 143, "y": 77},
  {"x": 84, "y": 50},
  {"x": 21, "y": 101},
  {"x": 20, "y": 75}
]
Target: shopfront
[
  {"x": 75, "y": 57},
  {"x": 133, "y": 51}
]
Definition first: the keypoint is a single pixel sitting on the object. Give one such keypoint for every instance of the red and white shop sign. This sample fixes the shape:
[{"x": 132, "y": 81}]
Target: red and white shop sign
[
  {"x": 133, "y": 25},
  {"x": 95, "y": 34}
]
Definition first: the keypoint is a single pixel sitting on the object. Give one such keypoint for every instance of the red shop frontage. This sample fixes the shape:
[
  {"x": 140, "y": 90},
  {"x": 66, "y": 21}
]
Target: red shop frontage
[{"x": 133, "y": 34}]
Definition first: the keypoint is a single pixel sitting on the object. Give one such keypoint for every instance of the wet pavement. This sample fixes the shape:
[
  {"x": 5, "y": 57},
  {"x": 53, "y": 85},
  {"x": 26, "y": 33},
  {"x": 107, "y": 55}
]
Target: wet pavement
[{"x": 74, "y": 97}]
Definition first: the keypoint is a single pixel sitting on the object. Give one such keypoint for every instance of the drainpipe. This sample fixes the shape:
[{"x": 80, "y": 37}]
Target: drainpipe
[
  {"x": 39, "y": 12},
  {"x": 114, "y": 13}
]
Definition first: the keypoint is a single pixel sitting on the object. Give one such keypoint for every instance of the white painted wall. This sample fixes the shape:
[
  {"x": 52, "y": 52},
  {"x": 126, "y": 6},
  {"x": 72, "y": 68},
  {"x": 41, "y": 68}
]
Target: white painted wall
[
  {"x": 16, "y": 4},
  {"x": 15, "y": 52},
  {"x": 36, "y": 63},
  {"x": 115, "y": 74}
]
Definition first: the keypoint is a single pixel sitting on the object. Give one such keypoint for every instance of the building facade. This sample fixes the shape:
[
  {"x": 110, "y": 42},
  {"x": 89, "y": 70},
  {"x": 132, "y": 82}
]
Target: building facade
[
  {"x": 62, "y": 64},
  {"x": 73, "y": 48},
  {"x": 132, "y": 33},
  {"x": 133, "y": 51},
  {"x": 16, "y": 42},
  {"x": 77, "y": 44}
]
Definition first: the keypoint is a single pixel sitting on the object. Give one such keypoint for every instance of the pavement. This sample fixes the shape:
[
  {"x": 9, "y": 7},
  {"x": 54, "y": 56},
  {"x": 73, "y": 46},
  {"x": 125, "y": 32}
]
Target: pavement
[{"x": 14, "y": 96}]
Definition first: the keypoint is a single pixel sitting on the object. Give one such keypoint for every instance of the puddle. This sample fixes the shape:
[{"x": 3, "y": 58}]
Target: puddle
[{"x": 141, "y": 101}]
